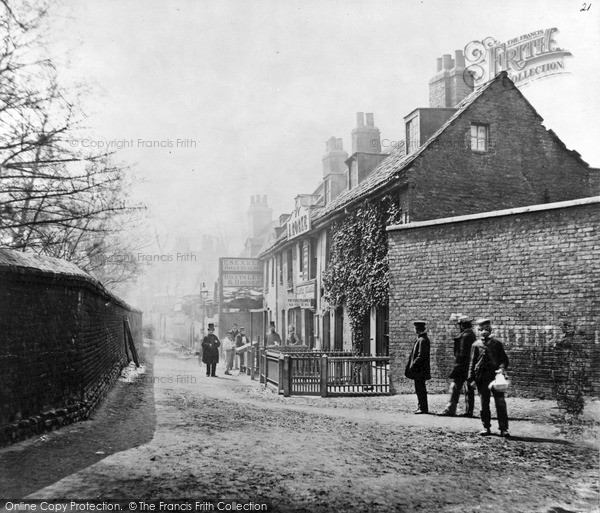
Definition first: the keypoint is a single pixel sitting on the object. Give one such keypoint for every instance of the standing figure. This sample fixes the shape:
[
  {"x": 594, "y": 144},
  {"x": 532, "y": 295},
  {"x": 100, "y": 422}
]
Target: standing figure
[
  {"x": 240, "y": 341},
  {"x": 210, "y": 351},
  {"x": 229, "y": 348},
  {"x": 292, "y": 338},
  {"x": 487, "y": 359},
  {"x": 418, "y": 366},
  {"x": 273, "y": 338},
  {"x": 234, "y": 331},
  {"x": 462, "y": 353}
]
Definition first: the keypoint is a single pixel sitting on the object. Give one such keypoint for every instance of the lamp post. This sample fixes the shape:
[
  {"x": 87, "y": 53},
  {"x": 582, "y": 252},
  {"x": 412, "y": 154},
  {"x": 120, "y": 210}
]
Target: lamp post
[{"x": 203, "y": 296}]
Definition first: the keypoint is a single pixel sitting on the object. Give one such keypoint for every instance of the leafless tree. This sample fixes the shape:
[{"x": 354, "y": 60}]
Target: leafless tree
[{"x": 54, "y": 200}]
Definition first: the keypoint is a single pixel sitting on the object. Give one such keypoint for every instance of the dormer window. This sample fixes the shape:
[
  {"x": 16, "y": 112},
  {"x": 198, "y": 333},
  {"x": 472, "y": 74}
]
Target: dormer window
[{"x": 480, "y": 137}]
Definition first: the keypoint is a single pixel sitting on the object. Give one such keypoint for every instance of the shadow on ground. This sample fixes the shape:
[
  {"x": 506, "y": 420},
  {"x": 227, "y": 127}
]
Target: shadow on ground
[{"x": 124, "y": 420}]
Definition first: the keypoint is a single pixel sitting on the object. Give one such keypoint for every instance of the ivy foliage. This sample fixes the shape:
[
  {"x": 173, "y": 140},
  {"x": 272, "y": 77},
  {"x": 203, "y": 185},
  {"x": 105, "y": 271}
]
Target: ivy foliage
[{"x": 357, "y": 274}]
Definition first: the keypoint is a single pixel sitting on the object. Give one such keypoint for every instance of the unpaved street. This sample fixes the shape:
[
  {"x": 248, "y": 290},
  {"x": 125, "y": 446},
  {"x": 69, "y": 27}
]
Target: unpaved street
[{"x": 230, "y": 438}]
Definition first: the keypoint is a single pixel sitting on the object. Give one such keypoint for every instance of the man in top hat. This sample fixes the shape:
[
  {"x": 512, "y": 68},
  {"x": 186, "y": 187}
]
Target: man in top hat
[
  {"x": 462, "y": 354},
  {"x": 273, "y": 338},
  {"x": 210, "y": 351},
  {"x": 487, "y": 359},
  {"x": 418, "y": 366}
]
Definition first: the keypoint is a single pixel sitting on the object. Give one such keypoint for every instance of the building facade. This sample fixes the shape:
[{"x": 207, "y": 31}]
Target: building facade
[{"x": 477, "y": 152}]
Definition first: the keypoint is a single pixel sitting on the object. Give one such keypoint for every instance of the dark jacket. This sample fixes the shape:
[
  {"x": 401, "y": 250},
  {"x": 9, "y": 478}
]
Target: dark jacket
[
  {"x": 293, "y": 339},
  {"x": 486, "y": 358},
  {"x": 418, "y": 366},
  {"x": 241, "y": 340},
  {"x": 210, "y": 348},
  {"x": 462, "y": 354}
]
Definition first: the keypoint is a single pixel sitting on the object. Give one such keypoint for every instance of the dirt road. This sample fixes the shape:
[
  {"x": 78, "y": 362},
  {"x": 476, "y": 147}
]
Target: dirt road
[{"x": 229, "y": 438}]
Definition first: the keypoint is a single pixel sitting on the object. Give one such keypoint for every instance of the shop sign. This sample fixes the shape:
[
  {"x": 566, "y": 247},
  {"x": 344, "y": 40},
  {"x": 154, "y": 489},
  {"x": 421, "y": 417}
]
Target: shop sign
[
  {"x": 298, "y": 223},
  {"x": 246, "y": 265},
  {"x": 242, "y": 280},
  {"x": 306, "y": 291},
  {"x": 300, "y": 303}
]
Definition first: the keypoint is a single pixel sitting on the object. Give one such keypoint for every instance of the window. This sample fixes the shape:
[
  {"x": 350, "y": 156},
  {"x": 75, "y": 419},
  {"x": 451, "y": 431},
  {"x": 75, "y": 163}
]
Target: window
[
  {"x": 480, "y": 137},
  {"x": 273, "y": 272},
  {"x": 290, "y": 268},
  {"x": 280, "y": 257},
  {"x": 412, "y": 135},
  {"x": 301, "y": 262},
  {"x": 327, "y": 191},
  {"x": 313, "y": 259}
]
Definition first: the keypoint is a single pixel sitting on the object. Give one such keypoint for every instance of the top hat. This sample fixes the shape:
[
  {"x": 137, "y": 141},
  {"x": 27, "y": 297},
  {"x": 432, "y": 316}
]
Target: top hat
[
  {"x": 272, "y": 324},
  {"x": 211, "y": 326}
]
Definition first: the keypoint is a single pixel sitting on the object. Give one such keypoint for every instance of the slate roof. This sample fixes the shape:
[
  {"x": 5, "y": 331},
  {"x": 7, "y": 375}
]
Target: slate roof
[{"x": 397, "y": 162}]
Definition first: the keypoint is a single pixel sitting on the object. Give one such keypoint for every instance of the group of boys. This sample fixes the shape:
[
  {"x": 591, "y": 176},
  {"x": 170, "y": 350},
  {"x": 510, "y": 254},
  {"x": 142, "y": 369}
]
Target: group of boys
[
  {"x": 234, "y": 339},
  {"x": 476, "y": 363}
]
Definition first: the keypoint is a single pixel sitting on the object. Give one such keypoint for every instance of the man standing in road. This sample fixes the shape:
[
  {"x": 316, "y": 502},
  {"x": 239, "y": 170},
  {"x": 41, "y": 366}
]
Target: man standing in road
[
  {"x": 488, "y": 358},
  {"x": 273, "y": 338},
  {"x": 418, "y": 366},
  {"x": 462, "y": 354},
  {"x": 210, "y": 351}
]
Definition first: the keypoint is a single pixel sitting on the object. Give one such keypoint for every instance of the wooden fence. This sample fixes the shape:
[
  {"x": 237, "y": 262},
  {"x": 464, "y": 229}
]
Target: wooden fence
[{"x": 300, "y": 372}]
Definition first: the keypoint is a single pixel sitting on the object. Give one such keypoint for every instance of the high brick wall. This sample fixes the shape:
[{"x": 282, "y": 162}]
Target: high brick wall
[
  {"x": 525, "y": 164},
  {"x": 534, "y": 272},
  {"x": 61, "y": 343}
]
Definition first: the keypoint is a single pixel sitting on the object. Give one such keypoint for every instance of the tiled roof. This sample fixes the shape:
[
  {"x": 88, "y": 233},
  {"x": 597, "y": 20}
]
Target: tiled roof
[{"x": 387, "y": 171}]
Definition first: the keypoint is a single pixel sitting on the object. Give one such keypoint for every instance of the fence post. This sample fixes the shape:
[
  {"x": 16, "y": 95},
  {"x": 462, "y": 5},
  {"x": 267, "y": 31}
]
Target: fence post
[
  {"x": 252, "y": 361},
  {"x": 265, "y": 367},
  {"x": 324, "y": 370},
  {"x": 286, "y": 378},
  {"x": 280, "y": 367}
]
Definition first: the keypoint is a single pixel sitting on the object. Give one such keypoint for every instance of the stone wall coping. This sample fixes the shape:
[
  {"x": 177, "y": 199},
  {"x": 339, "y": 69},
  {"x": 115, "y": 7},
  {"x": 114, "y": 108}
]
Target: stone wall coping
[
  {"x": 20, "y": 263},
  {"x": 498, "y": 213}
]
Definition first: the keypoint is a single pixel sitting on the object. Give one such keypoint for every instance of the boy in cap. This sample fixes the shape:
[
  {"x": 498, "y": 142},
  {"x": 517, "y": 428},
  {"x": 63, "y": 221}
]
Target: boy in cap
[
  {"x": 240, "y": 341},
  {"x": 418, "y": 366},
  {"x": 487, "y": 359},
  {"x": 273, "y": 338},
  {"x": 292, "y": 338},
  {"x": 229, "y": 348},
  {"x": 462, "y": 354}
]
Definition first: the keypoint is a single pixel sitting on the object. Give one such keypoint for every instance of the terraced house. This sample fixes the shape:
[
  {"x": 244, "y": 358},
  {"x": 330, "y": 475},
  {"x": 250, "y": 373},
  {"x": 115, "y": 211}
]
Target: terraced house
[{"x": 468, "y": 152}]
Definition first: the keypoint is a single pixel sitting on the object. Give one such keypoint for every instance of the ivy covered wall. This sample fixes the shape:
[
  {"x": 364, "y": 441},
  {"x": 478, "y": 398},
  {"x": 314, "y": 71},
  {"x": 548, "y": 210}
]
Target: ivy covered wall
[{"x": 357, "y": 275}]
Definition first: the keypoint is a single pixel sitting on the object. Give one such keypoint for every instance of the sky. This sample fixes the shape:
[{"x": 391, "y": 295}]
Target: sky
[{"x": 242, "y": 95}]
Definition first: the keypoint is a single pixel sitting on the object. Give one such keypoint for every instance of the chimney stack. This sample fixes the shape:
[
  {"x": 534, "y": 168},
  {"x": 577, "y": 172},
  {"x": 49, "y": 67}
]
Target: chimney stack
[
  {"x": 260, "y": 215},
  {"x": 452, "y": 83},
  {"x": 334, "y": 160},
  {"x": 366, "y": 138}
]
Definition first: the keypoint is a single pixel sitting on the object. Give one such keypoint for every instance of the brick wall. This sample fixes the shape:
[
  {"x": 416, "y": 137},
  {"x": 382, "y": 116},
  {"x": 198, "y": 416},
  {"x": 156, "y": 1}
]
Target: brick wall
[
  {"x": 61, "y": 343},
  {"x": 525, "y": 164},
  {"x": 535, "y": 272}
]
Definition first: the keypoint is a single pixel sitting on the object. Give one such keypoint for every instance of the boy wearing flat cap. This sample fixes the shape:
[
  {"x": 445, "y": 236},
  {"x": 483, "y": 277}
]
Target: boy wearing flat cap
[
  {"x": 487, "y": 359},
  {"x": 418, "y": 366}
]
